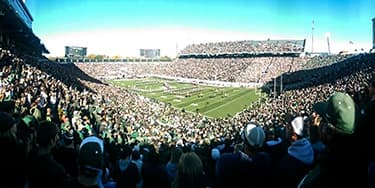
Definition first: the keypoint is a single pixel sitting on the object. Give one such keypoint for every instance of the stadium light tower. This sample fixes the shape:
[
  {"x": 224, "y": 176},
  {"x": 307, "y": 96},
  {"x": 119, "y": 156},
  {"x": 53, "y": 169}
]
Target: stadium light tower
[
  {"x": 373, "y": 33},
  {"x": 176, "y": 49},
  {"x": 312, "y": 36},
  {"x": 328, "y": 35}
]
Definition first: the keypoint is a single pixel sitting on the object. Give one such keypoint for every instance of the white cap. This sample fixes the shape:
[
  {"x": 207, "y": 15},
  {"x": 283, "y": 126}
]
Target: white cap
[
  {"x": 297, "y": 125},
  {"x": 254, "y": 135}
]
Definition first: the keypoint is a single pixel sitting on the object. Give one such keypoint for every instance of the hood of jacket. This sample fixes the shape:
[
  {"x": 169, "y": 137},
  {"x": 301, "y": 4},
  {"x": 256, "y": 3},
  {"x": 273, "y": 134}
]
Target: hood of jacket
[{"x": 302, "y": 150}]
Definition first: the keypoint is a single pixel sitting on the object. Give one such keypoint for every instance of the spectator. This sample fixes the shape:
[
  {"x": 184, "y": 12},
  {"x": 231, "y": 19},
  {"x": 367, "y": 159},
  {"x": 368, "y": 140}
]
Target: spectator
[
  {"x": 45, "y": 171},
  {"x": 136, "y": 158},
  {"x": 250, "y": 164},
  {"x": 26, "y": 132},
  {"x": 126, "y": 172},
  {"x": 315, "y": 140},
  {"x": 12, "y": 156},
  {"x": 366, "y": 130},
  {"x": 153, "y": 171},
  {"x": 292, "y": 167},
  {"x": 67, "y": 155},
  {"x": 7, "y": 107},
  {"x": 90, "y": 164},
  {"x": 171, "y": 166},
  {"x": 190, "y": 172},
  {"x": 338, "y": 165}
]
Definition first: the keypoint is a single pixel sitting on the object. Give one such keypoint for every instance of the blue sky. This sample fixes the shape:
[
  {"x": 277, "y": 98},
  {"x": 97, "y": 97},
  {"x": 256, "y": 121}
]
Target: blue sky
[{"x": 149, "y": 22}]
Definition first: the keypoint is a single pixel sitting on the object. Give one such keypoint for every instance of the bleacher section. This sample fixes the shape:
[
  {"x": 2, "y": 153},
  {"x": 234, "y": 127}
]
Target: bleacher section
[{"x": 246, "y": 48}]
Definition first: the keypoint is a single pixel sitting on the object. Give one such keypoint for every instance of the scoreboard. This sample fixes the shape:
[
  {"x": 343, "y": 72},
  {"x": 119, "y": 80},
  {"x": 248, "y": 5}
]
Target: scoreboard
[
  {"x": 150, "y": 53},
  {"x": 75, "y": 52}
]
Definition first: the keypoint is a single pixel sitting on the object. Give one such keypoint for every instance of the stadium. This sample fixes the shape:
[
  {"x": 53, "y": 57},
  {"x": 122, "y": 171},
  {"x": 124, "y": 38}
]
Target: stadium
[{"x": 205, "y": 103}]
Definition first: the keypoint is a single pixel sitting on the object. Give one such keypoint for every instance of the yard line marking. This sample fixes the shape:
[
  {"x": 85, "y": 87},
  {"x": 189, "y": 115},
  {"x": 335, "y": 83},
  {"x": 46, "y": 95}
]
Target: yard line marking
[{"x": 229, "y": 101}]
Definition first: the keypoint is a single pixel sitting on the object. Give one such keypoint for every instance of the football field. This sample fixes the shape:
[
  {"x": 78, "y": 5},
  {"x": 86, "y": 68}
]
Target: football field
[{"x": 207, "y": 100}]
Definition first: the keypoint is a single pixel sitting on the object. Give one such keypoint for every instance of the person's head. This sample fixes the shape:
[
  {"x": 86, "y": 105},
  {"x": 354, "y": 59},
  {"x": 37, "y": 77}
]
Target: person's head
[
  {"x": 215, "y": 154},
  {"x": 49, "y": 111},
  {"x": 8, "y": 126},
  {"x": 7, "y": 107},
  {"x": 149, "y": 154},
  {"x": 253, "y": 137},
  {"x": 135, "y": 155},
  {"x": 176, "y": 154},
  {"x": 270, "y": 134},
  {"x": 90, "y": 156},
  {"x": 338, "y": 116},
  {"x": 68, "y": 138},
  {"x": 125, "y": 151},
  {"x": 27, "y": 128},
  {"x": 298, "y": 126},
  {"x": 46, "y": 134},
  {"x": 189, "y": 170}
]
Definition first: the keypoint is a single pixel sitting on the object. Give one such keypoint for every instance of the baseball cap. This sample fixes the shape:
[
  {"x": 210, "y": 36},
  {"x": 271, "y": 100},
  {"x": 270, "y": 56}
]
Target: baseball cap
[
  {"x": 91, "y": 153},
  {"x": 339, "y": 110},
  {"x": 254, "y": 135}
]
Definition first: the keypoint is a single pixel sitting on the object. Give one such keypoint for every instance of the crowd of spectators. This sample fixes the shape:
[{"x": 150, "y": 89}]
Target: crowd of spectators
[
  {"x": 246, "y": 46},
  {"x": 245, "y": 70},
  {"x": 319, "y": 61},
  {"x": 350, "y": 77},
  {"x": 39, "y": 94}
]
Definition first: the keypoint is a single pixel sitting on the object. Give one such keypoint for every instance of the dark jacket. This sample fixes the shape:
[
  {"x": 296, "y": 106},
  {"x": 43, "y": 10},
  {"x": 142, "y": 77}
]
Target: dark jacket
[
  {"x": 126, "y": 174},
  {"x": 237, "y": 169},
  {"x": 292, "y": 167},
  {"x": 46, "y": 172},
  {"x": 336, "y": 170}
]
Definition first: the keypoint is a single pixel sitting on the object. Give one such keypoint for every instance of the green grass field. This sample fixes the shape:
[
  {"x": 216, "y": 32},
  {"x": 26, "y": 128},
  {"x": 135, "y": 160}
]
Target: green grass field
[{"x": 207, "y": 100}]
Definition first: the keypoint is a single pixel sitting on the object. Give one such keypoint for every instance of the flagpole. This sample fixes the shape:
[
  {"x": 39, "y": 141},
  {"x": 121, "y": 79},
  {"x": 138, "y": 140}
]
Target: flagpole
[
  {"x": 329, "y": 47},
  {"x": 312, "y": 36}
]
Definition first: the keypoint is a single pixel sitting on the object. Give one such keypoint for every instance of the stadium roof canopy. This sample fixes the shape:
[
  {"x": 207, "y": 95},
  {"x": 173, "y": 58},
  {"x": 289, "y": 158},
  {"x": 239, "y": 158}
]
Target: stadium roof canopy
[{"x": 17, "y": 26}]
